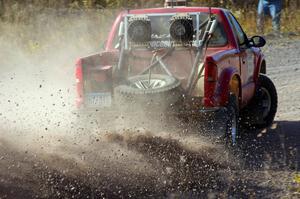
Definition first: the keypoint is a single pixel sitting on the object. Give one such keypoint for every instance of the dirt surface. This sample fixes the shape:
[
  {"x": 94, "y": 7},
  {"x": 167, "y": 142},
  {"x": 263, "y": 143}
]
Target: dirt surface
[{"x": 45, "y": 154}]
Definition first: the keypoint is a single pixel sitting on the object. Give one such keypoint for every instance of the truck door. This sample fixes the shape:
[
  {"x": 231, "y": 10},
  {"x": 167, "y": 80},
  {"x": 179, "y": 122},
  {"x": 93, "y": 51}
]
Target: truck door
[{"x": 247, "y": 57}]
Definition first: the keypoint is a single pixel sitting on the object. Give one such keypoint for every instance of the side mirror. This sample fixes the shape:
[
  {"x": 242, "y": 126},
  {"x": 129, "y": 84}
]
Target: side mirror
[{"x": 257, "y": 41}]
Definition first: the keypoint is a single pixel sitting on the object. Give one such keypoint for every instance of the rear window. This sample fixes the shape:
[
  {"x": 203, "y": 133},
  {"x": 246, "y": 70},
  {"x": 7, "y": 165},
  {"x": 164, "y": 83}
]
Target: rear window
[{"x": 219, "y": 37}]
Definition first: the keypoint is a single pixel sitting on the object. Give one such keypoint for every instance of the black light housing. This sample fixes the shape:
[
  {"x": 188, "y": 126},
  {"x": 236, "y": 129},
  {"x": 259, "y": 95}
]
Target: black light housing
[
  {"x": 181, "y": 29},
  {"x": 139, "y": 29}
]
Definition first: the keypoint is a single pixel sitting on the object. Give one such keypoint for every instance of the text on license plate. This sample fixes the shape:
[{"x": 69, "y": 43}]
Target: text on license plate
[{"x": 98, "y": 99}]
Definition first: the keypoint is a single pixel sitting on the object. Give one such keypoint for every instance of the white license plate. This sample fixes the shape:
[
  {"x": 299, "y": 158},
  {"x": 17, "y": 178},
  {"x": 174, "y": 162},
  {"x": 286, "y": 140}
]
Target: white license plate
[{"x": 98, "y": 99}]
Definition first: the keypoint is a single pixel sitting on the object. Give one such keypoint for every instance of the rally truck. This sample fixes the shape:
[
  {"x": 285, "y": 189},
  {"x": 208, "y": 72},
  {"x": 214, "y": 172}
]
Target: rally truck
[{"x": 187, "y": 61}]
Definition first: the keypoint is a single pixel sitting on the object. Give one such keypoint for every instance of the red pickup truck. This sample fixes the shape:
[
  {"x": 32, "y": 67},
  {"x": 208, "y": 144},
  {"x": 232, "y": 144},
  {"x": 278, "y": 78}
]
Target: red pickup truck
[{"x": 184, "y": 60}]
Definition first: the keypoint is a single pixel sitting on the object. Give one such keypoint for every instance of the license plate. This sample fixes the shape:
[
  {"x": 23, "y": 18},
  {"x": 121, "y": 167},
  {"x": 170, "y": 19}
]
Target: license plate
[{"x": 98, "y": 99}]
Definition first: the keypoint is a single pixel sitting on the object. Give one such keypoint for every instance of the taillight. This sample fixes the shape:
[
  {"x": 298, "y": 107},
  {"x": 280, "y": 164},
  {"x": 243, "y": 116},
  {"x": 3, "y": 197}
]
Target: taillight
[
  {"x": 211, "y": 72},
  {"x": 79, "y": 71},
  {"x": 79, "y": 82},
  {"x": 211, "y": 77}
]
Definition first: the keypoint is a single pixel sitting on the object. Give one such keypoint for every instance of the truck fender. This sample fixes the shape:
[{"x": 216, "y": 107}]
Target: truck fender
[
  {"x": 223, "y": 85},
  {"x": 260, "y": 66}
]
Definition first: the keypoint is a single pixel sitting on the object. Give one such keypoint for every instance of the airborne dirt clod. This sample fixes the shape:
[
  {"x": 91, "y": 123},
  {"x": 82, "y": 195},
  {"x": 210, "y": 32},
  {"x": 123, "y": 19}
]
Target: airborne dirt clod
[{"x": 45, "y": 154}]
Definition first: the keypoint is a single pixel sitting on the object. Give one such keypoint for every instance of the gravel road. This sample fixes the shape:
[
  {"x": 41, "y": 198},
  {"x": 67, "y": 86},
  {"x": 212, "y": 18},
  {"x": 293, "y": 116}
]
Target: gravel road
[{"x": 44, "y": 155}]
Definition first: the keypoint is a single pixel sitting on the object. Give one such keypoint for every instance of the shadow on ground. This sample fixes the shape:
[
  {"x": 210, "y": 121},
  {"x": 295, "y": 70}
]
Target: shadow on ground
[{"x": 277, "y": 147}]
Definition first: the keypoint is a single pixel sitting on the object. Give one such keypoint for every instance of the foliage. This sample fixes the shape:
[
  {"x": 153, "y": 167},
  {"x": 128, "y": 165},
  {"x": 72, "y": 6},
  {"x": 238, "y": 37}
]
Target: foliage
[{"x": 22, "y": 11}]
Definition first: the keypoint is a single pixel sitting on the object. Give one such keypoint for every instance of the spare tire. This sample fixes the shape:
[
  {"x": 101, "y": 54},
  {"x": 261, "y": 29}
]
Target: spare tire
[{"x": 156, "y": 91}]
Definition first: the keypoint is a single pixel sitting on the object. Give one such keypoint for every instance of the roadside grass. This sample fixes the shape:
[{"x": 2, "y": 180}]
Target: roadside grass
[
  {"x": 290, "y": 21},
  {"x": 295, "y": 185},
  {"x": 38, "y": 29},
  {"x": 42, "y": 31}
]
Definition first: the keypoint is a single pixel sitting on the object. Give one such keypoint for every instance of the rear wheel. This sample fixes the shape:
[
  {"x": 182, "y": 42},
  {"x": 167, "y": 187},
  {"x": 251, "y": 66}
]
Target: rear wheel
[
  {"x": 260, "y": 113},
  {"x": 232, "y": 122}
]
